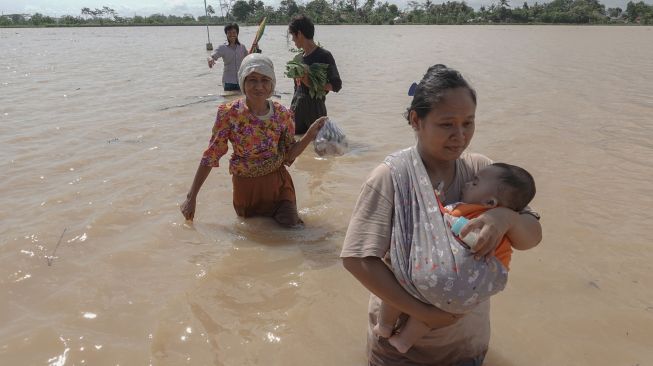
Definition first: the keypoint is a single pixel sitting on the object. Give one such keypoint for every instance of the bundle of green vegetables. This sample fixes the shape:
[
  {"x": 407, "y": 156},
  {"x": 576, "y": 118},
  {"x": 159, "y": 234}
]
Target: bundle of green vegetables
[{"x": 317, "y": 74}]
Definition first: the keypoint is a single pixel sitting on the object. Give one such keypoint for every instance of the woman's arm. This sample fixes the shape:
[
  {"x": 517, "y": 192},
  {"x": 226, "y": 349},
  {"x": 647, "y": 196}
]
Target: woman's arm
[
  {"x": 220, "y": 135},
  {"x": 524, "y": 230},
  {"x": 298, "y": 147},
  {"x": 379, "y": 279},
  {"x": 188, "y": 207}
]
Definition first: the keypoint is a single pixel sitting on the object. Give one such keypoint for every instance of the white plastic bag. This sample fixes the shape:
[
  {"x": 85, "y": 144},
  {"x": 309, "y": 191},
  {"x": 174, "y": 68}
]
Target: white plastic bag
[{"x": 330, "y": 140}]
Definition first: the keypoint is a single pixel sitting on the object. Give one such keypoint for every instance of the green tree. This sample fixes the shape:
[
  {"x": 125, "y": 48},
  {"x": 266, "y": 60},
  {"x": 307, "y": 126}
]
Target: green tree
[
  {"x": 70, "y": 20},
  {"x": 258, "y": 10},
  {"x": 354, "y": 4},
  {"x": 320, "y": 11},
  {"x": 156, "y": 19},
  {"x": 17, "y": 19},
  {"x": 384, "y": 13},
  {"x": 107, "y": 11},
  {"x": 256, "y": 5},
  {"x": 37, "y": 19},
  {"x": 86, "y": 12},
  {"x": 241, "y": 10},
  {"x": 504, "y": 13},
  {"x": 287, "y": 9},
  {"x": 639, "y": 11},
  {"x": 615, "y": 12}
]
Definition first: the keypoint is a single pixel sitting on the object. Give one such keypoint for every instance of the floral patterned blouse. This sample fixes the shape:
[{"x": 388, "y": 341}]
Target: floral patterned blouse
[{"x": 259, "y": 145}]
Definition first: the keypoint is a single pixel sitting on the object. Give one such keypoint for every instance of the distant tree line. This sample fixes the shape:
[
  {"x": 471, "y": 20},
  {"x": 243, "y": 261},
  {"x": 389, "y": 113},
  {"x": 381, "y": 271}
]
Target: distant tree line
[{"x": 363, "y": 12}]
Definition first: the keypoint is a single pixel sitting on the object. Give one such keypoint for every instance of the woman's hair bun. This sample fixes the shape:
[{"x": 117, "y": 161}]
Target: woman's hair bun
[{"x": 436, "y": 68}]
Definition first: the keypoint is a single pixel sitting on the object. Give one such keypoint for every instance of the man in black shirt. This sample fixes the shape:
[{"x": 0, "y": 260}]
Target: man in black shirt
[{"x": 308, "y": 109}]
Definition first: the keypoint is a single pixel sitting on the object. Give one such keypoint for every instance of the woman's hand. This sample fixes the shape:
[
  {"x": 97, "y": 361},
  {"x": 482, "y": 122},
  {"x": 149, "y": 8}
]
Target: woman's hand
[
  {"x": 375, "y": 275},
  {"x": 492, "y": 226},
  {"x": 312, "y": 131},
  {"x": 188, "y": 208},
  {"x": 211, "y": 62}
]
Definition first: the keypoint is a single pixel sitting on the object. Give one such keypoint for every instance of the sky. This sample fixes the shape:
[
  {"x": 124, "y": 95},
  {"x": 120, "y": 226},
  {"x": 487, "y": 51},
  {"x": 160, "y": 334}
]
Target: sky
[{"x": 128, "y": 8}]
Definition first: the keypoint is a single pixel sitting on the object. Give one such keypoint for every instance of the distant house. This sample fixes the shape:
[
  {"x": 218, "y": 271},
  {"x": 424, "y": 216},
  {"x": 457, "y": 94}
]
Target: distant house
[{"x": 19, "y": 16}]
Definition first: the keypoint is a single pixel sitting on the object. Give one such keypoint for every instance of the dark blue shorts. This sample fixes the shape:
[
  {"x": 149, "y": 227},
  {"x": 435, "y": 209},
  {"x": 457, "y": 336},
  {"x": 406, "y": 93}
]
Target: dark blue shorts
[{"x": 231, "y": 87}]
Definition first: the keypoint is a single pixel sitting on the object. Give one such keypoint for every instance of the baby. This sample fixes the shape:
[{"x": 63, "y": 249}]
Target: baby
[{"x": 497, "y": 185}]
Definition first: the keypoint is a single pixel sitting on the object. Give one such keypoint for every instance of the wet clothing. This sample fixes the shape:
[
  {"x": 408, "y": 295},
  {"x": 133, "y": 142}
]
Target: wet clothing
[
  {"x": 261, "y": 184},
  {"x": 232, "y": 56},
  {"x": 259, "y": 144},
  {"x": 307, "y": 109},
  {"x": 427, "y": 260},
  {"x": 369, "y": 234},
  {"x": 271, "y": 195}
]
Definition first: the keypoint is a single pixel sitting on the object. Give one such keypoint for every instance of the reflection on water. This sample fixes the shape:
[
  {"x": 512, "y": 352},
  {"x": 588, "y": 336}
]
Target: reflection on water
[{"x": 94, "y": 140}]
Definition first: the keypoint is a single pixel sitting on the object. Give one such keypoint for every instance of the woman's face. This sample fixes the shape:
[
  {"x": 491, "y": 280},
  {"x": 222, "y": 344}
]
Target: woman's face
[
  {"x": 446, "y": 131},
  {"x": 258, "y": 86},
  {"x": 232, "y": 36}
]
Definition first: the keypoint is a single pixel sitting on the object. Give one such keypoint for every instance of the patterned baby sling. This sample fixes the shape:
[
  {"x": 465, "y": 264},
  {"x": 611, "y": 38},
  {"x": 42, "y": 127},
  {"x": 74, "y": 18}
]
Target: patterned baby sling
[{"x": 426, "y": 258}]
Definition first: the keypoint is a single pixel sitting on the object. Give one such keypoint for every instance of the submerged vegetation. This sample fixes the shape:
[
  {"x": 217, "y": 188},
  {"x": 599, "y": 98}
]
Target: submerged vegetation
[{"x": 362, "y": 12}]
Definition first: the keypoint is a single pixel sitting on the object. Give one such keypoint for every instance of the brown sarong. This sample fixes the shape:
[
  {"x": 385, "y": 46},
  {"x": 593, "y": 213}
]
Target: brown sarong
[{"x": 271, "y": 195}]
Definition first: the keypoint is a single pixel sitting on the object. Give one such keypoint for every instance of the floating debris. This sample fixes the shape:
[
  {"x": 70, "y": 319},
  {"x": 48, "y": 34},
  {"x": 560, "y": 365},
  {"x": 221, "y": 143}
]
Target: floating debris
[{"x": 50, "y": 258}]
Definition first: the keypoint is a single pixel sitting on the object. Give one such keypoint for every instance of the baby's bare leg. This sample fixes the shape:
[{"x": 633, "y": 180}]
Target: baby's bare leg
[
  {"x": 388, "y": 316},
  {"x": 413, "y": 331}
]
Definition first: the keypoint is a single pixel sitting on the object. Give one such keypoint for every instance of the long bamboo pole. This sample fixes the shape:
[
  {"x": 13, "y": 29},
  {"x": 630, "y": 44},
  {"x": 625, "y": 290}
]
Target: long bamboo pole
[{"x": 209, "y": 46}]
